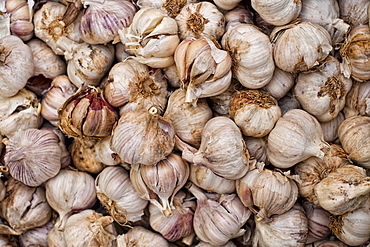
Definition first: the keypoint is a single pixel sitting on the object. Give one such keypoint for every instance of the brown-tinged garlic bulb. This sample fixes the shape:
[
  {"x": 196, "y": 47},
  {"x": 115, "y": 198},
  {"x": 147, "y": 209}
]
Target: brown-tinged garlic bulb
[
  {"x": 16, "y": 65},
  {"x": 171, "y": 7},
  {"x": 143, "y": 137},
  {"x": 104, "y": 153},
  {"x": 83, "y": 155},
  {"x": 300, "y": 46},
  {"x": 89, "y": 228},
  {"x": 60, "y": 90},
  {"x": 24, "y": 207},
  {"x": 117, "y": 194},
  {"x": 180, "y": 224},
  {"x": 159, "y": 183},
  {"x": 358, "y": 100},
  {"x": 277, "y": 12},
  {"x": 280, "y": 83},
  {"x": 266, "y": 192},
  {"x": 350, "y": 132},
  {"x": 9, "y": 240},
  {"x": 70, "y": 191},
  {"x": 21, "y": 14},
  {"x": 352, "y": 228},
  {"x": 296, "y": 136},
  {"x": 101, "y": 21},
  {"x": 257, "y": 147},
  {"x": 354, "y": 53},
  {"x": 330, "y": 128},
  {"x": 187, "y": 119},
  {"x": 33, "y": 156},
  {"x": 87, "y": 114},
  {"x": 203, "y": 19},
  {"x": 151, "y": 38},
  {"x": 225, "y": 154},
  {"x": 251, "y": 53},
  {"x": 203, "y": 68},
  {"x": 36, "y": 236},
  {"x": 254, "y": 111},
  {"x": 20, "y": 112},
  {"x": 354, "y": 12},
  {"x": 289, "y": 229},
  {"x": 322, "y": 92},
  {"x": 142, "y": 237},
  {"x": 225, "y": 213}
]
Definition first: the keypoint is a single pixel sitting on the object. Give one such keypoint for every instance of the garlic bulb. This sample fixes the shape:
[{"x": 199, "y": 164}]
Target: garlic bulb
[
  {"x": 288, "y": 102},
  {"x": 266, "y": 192},
  {"x": 240, "y": 14},
  {"x": 257, "y": 147},
  {"x": 204, "y": 244},
  {"x": 19, "y": 112},
  {"x": 277, "y": 12},
  {"x": 296, "y": 136},
  {"x": 203, "y": 19},
  {"x": 20, "y": 13},
  {"x": 143, "y": 137},
  {"x": 251, "y": 52},
  {"x": 89, "y": 228},
  {"x": 322, "y": 93},
  {"x": 170, "y": 73},
  {"x": 102, "y": 20},
  {"x": 33, "y": 156},
  {"x": 350, "y": 131},
  {"x": 46, "y": 62},
  {"x": 104, "y": 153},
  {"x": 24, "y": 207},
  {"x": 180, "y": 224},
  {"x": 142, "y": 237},
  {"x": 171, "y": 7},
  {"x": 280, "y": 83},
  {"x": 289, "y": 229},
  {"x": 254, "y": 111},
  {"x": 36, "y": 236},
  {"x": 160, "y": 183},
  {"x": 60, "y": 90},
  {"x": 352, "y": 228},
  {"x": 330, "y": 128},
  {"x": 329, "y": 243},
  {"x": 70, "y": 191},
  {"x": 220, "y": 103},
  {"x": 226, "y": 214},
  {"x": 117, "y": 194},
  {"x": 354, "y": 12},
  {"x": 226, "y": 4},
  {"x": 8, "y": 240},
  {"x": 225, "y": 155},
  {"x": 16, "y": 65},
  {"x": 87, "y": 114},
  {"x": 300, "y": 46},
  {"x": 358, "y": 100},
  {"x": 204, "y": 69},
  {"x": 152, "y": 37},
  {"x": 83, "y": 155},
  {"x": 55, "y": 238},
  {"x": 354, "y": 53},
  {"x": 188, "y": 120}
]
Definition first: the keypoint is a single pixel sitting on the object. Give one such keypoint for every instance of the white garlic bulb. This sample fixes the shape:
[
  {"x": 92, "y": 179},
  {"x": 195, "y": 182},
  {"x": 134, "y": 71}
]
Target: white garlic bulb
[
  {"x": 330, "y": 128},
  {"x": 288, "y": 102},
  {"x": 202, "y": 19},
  {"x": 239, "y": 14},
  {"x": 226, "y": 4},
  {"x": 89, "y": 228},
  {"x": 225, "y": 155},
  {"x": 70, "y": 191},
  {"x": 296, "y": 136},
  {"x": 280, "y": 83},
  {"x": 277, "y": 12},
  {"x": 117, "y": 194},
  {"x": 142, "y": 237},
  {"x": 251, "y": 52},
  {"x": 204, "y": 244},
  {"x": 152, "y": 37},
  {"x": 104, "y": 153},
  {"x": 257, "y": 147},
  {"x": 300, "y": 46},
  {"x": 354, "y": 12},
  {"x": 55, "y": 238},
  {"x": 16, "y": 65},
  {"x": 36, "y": 236},
  {"x": 358, "y": 100},
  {"x": 220, "y": 103}
]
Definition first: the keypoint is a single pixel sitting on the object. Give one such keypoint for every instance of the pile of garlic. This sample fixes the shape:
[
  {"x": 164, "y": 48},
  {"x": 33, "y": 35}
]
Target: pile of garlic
[{"x": 185, "y": 123}]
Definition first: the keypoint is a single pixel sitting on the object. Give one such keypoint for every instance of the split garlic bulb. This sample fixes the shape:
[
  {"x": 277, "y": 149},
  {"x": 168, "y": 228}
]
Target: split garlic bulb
[
  {"x": 16, "y": 65},
  {"x": 203, "y": 19},
  {"x": 117, "y": 194},
  {"x": 358, "y": 100},
  {"x": 171, "y": 7},
  {"x": 280, "y": 83},
  {"x": 151, "y": 38},
  {"x": 254, "y": 111},
  {"x": 296, "y": 136},
  {"x": 143, "y": 137},
  {"x": 20, "y": 13},
  {"x": 70, "y": 191},
  {"x": 300, "y": 46},
  {"x": 142, "y": 237},
  {"x": 226, "y": 155},
  {"x": 277, "y": 12},
  {"x": 203, "y": 68},
  {"x": 322, "y": 92}
]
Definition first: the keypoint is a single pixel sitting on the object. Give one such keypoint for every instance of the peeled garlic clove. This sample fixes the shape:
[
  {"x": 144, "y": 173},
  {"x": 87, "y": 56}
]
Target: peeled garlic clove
[
  {"x": 143, "y": 137},
  {"x": 70, "y": 191},
  {"x": 36, "y": 236},
  {"x": 83, "y": 155},
  {"x": 280, "y": 83},
  {"x": 14, "y": 72},
  {"x": 350, "y": 131},
  {"x": 89, "y": 228},
  {"x": 354, "y": 13},
  {"x": 141, "y": 237},
  {"x": 358, "y": 100},
  {"x": 296, "y": 136},
  {"x": 251, "y": 52}
]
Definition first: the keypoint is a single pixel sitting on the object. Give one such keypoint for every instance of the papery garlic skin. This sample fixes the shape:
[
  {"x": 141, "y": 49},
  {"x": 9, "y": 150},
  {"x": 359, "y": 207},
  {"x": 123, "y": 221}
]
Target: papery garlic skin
[
  {"x": 204, "y": 244},
  {"x": 257, "y": 147},
  {"x": 16, "y": 65},
  {"x": 251, "y": 53},
  {"x": 116, "y": 193},
  {"x": 20, "y": 13},
  {"x": 172, "y": 7},
  {"x": 226, "y": 5},
  {"x": 142, "y": 237},
  {"x": 202, "y": 19},
  {"x": 36, "y": 236},
  {"x": 83, "y": 155},
  {"x": 280, "y": 83},
  {"x": 55, "y": 238},
  {"x": 358, "y": 100},
  {"x": 104, "y": 153},
  {"x": 330, "y": 128},
  {"x": 296, "y": 136},
  {"x": 354, "y": 12},
  {"x": 240, "y": 14}
]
